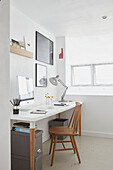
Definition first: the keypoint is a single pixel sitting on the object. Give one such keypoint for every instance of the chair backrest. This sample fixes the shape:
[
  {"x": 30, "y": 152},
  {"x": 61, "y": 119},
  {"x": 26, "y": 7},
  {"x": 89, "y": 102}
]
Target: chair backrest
[{"x": 74, "y": 121}]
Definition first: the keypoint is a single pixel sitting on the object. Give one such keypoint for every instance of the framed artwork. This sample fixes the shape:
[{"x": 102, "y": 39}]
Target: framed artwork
[
  {"x": 40, "y": 75},
  {"x": 44, "y": 49},
  {"x": 61, "y": 54}
]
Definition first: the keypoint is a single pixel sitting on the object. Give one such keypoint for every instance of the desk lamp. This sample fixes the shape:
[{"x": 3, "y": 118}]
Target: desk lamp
[{"x": 54, "y": 81}]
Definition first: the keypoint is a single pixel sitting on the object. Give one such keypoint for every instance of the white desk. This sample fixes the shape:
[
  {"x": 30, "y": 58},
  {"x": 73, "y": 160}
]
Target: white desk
[
  {"x": 27, "y": 116},
  {"x": 33, "y": 118}
]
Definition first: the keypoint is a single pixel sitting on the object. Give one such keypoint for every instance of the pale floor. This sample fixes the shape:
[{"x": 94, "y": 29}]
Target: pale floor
[{"x": 96, "y": 154}]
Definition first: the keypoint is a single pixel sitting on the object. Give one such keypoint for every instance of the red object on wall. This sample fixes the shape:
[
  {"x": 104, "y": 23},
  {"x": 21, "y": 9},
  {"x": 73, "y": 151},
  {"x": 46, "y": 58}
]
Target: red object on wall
[{"x": 61, "y": 54}]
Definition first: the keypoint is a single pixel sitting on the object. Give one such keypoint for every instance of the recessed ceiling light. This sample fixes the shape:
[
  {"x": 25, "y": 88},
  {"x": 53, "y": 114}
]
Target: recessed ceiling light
[{"x": 104, "y": 17}]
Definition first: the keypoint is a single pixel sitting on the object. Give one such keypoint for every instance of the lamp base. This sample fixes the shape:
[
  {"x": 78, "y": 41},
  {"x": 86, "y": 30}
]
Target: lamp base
[{"x": 63, "y": 100}]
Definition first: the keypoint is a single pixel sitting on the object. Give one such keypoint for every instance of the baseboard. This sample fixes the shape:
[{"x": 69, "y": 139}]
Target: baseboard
[
  {"x": 97, "y": 134},
  {"x": 85, "y": 133}
]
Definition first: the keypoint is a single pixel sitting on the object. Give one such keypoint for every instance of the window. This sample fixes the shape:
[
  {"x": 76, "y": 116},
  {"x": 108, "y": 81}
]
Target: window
[
  {"x": 81, "y": 75},
  {"x": 104, "y": 74},
  {"x": 92, "y": 75}
]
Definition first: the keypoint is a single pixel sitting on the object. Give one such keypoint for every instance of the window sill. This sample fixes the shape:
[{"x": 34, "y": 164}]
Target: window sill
[{"x": 91, "y": 91}]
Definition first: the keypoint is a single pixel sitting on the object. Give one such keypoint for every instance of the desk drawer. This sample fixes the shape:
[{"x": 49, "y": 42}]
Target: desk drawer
[
  {"x": 20, "y": 144},
  {"x": 22, "y": 163}
]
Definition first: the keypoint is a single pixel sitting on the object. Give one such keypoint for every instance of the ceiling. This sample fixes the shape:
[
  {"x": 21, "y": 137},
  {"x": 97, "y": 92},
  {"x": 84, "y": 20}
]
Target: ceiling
[{"x": 69, "y": 17}]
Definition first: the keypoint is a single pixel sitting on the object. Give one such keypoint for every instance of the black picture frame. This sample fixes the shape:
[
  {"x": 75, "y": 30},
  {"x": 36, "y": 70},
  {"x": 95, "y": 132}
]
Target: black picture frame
[
  {"x": 40, "y": 75},
  {"x": 38, "y": 36}
]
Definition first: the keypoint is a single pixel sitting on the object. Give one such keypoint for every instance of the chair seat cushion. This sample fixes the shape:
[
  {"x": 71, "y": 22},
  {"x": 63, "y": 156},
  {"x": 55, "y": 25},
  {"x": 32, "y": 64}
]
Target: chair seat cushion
[{"x": 62, "y": 131}]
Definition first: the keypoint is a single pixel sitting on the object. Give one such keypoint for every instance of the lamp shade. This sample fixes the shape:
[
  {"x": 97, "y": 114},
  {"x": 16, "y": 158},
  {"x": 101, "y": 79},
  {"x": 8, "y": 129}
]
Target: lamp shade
[{"x": 54, "y": 80}]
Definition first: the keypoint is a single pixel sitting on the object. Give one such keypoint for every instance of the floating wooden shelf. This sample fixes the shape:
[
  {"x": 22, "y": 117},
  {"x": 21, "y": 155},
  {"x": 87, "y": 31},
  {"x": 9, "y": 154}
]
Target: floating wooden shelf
[{"x": 21, "y": 52}]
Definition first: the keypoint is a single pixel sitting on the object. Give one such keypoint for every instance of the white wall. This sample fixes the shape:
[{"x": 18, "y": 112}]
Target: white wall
[
  {"x": 97, "y": 115},
  {"x": 60, "y": 43},
  {"x": 21, "y": 26},
  {"x": 88, "y": 50},
  {"x": 4, "y": 86},
  {"x": 97, "y": 110}
]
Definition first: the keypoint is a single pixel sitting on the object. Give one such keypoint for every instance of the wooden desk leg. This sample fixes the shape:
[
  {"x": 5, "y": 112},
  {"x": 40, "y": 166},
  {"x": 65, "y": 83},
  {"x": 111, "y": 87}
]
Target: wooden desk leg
[
  {"x": 32, "y": 146},
  {"x": 80, "y": 123},
  {"x": 59, "y": 115}
]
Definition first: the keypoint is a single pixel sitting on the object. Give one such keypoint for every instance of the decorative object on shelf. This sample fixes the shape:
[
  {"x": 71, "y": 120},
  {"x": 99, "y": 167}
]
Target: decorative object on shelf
[
  {"x": 15, "y": 43},
  {"x": 61, "y": 54},
  {"x": 19, "y": 44},
  {"x": 40, "y": 75},
  {"x": 22, "y": 43},
  {"x": 54, "y": 81},
  {"x": 15, "y": 103},
  {"x": 19, "y": 48}
]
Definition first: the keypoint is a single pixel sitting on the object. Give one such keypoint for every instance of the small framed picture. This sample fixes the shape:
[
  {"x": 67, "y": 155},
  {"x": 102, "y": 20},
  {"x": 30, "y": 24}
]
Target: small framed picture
[
  {"x": 15, "y": 43},
  {"x": 40, "y": 75}
]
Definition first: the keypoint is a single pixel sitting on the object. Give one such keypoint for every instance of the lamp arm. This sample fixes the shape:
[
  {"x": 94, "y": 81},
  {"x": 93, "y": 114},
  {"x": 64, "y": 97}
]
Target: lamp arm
[
  {"x": 62, "y": 83},
  {"x": 63, "y": 95}
]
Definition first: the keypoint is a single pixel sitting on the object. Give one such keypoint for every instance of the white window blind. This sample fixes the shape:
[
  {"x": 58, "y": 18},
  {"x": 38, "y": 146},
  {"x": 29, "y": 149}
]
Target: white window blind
[
  {"x": 104, "y": 74},
  {"x": 81, "y": 75},
  {"x": 92, "y": 75}
]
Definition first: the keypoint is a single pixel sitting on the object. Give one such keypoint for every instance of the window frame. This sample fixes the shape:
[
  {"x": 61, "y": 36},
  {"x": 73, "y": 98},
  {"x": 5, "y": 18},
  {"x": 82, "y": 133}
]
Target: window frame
[
  {"x": 84, "y": 85},
  {"x": 93, "y": 75}
]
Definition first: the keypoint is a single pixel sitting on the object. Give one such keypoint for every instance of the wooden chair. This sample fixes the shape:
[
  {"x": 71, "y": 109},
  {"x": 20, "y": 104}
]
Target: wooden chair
[{"x": 70, "y": 131}]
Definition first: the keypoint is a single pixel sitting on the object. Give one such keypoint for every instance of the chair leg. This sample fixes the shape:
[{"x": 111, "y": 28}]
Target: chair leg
[
  {"x": 53, "y": 154},
  {"x": 51, "y": 145},
  {"x": 72, "y": 143},
  {"x": 76, "y": 150}
]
